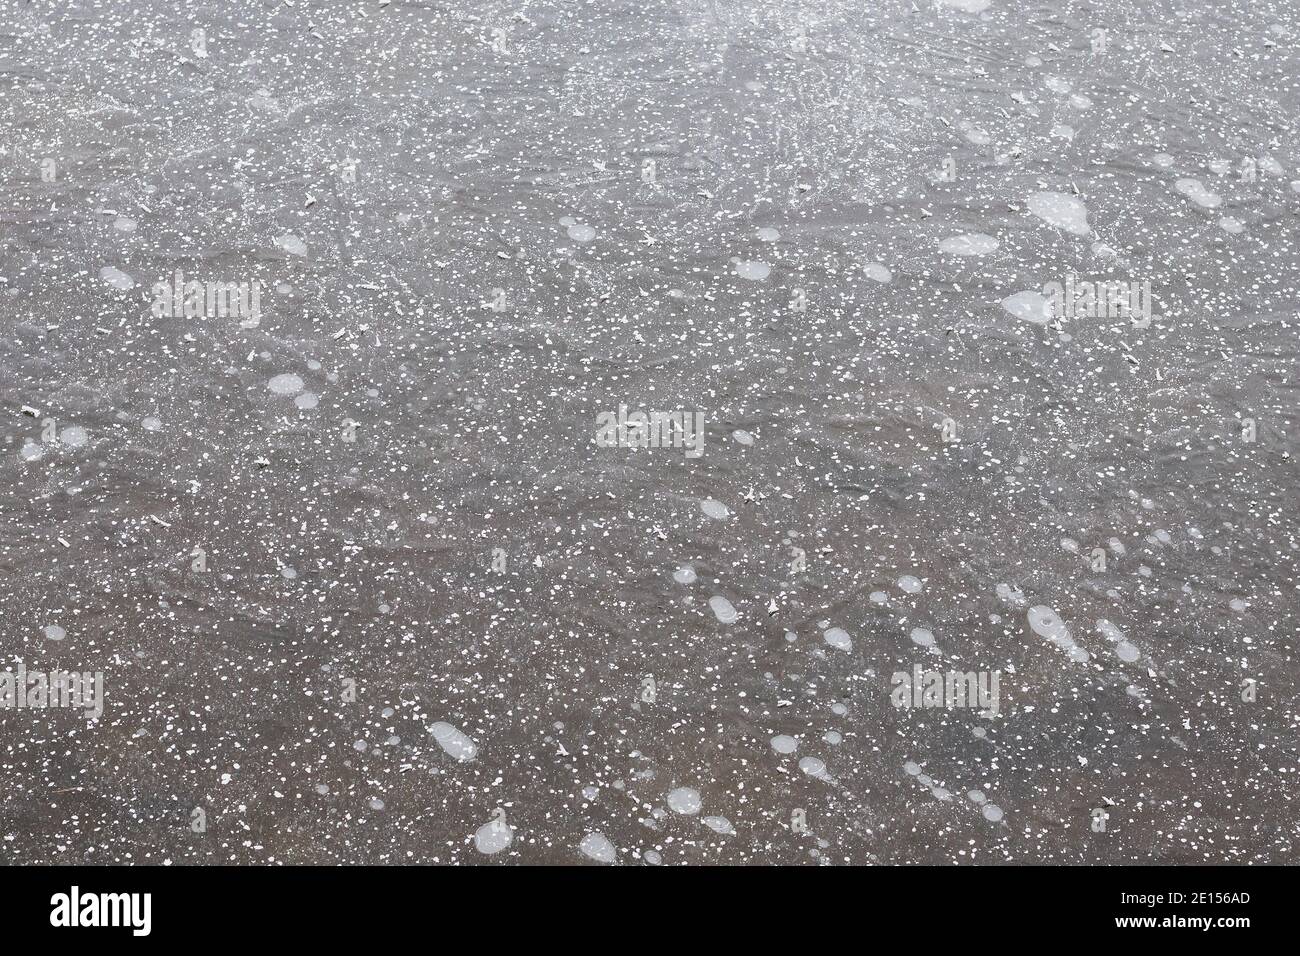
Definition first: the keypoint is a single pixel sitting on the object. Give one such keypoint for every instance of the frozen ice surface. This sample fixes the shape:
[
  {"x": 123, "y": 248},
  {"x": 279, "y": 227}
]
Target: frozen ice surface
[{"x": 305, "y": 340}]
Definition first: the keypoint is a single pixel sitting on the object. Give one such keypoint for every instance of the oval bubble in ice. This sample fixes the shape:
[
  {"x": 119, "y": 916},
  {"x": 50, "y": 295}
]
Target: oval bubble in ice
[
  {"x": 813, "y": 767},
  {"x": 116, "y": 278},
  {"x": 493, "y": 836},
  {"x": 455, "y": 743},
  {"x": 597, "y": 847},
  {"x": 1045, "y": 622},
  {"x": 838, "y": 638},
  {"x": 784, "y": 744},
  {"x": 1127, "y": 652},
  {"x": 285, "y": 384},
  {"x": 684, "y": 800},
  {"x": 723, "y": 609}
]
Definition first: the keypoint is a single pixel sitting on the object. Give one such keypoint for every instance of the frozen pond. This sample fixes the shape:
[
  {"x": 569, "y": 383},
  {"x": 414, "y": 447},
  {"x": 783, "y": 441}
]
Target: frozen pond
[{"x": 929, "y": 339}]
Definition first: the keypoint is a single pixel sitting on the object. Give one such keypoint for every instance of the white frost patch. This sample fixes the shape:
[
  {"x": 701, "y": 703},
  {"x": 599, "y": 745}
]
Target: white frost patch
[
  {"x": 969, "y": 244},
  {"x": 54, "y": 633},
  {"x": 922, "y": 637},
  {"x": 877, "y": 272},
  {"x": 1011, "y": 595},
  {"x": 715, "y": 509},
  {"x": 580, "y": 232},
  {"x": 1061, "y": 211},
  {"x": 967, "y": 6},
  {"x": 1196, "y": 191},
  {"x": 1029, "y": 306},
  {"x": 753, "y": 271},
  {"x": 910, "y": 583},
  {"x": 455, "y": 743},
  {"x": 285, "y": 384},
  {"x": 116, "y": 278},
  {"x": 292, "y": 244},
  {"x": 74, "y": 436}
]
